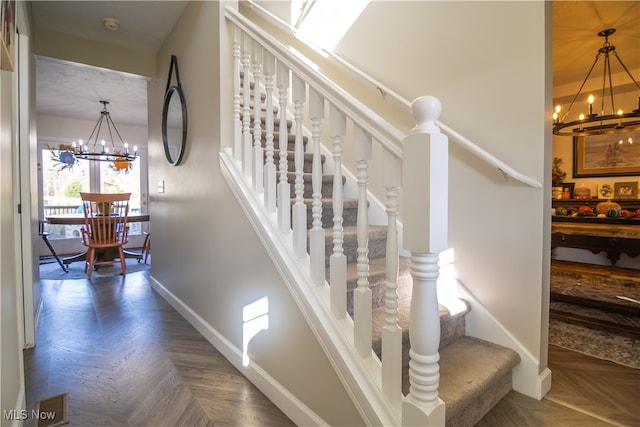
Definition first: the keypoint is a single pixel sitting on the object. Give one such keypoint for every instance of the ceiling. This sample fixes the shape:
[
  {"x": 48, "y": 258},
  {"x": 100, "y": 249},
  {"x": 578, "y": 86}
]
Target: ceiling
[{"x": 73, "y": 90}]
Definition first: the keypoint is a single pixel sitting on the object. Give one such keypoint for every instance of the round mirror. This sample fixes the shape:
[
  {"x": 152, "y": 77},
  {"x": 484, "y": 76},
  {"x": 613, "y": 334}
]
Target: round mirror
[{"x": 174, "y": 124}]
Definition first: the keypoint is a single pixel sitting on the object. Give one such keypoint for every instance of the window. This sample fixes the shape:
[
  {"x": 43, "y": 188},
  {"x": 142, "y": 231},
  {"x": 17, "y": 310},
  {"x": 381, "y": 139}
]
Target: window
[
  {"x": 325, "y": 22},
  {"x": 60, "y": 188}
]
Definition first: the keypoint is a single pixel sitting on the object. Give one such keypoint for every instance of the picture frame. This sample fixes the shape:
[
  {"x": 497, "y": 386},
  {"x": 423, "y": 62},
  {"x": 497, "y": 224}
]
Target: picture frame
[
  {"x": 606, "y": 155},
  {"x": 568, "y": 187},
  {"x": 626, "y": 190},
  {"x": 605, "y": 190},
  {"x": 7, "y": 34}
]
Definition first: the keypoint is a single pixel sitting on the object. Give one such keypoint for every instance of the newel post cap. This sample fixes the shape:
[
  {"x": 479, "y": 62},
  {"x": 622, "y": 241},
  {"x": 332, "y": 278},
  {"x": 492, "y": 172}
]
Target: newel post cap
[{"x": 425, "y": 111}]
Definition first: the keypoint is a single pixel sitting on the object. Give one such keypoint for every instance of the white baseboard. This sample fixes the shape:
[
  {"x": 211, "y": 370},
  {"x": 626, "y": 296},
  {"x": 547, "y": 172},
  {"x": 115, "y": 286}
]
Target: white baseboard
[
  {"x": 297, "y": 411},
  {"x": 527, "y": 378}
]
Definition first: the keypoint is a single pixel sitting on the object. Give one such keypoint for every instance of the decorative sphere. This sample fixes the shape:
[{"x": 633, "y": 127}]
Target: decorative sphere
[{"x": 425, "y": 111}]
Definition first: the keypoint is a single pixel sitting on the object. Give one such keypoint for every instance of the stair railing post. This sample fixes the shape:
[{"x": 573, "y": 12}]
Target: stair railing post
[
  {"x": 269, "y": 63},
  {"x": 258, "y": 151},
  {"x": 237, "y": 122},
  {"x": 299, "y": 223},
  {"x": 284, "y": 188},
  {"x": 246, "y": 111},
  {"x": 338, "y": 260},
  {"x": 391, "y": 331},
  {"x": 362, "y": 304},
  {"x": 316, "y": 235},
  {"x": 425, "y": 217}
]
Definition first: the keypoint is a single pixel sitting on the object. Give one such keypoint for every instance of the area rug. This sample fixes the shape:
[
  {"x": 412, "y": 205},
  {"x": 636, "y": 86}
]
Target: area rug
[
  {"x": 50, "y": 269},
  {"x": 601, "y": 294},
  {"x": 618, "y": 348}
]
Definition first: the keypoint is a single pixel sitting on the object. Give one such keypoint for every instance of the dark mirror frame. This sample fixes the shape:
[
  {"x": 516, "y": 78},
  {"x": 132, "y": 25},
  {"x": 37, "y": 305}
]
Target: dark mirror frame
[{"x": 168, "y": 97}]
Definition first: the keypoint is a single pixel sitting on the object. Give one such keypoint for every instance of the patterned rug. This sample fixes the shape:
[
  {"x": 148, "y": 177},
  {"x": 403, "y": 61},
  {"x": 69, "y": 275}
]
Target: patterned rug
[
  {"x": 600, "y": 294},
  {"x": 50, "y": 270},
  {"x": 618, "y": 348}
]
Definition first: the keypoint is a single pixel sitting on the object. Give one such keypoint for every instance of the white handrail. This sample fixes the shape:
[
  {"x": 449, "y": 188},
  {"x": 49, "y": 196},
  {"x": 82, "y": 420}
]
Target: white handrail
[
  {"x": 456, "y": 137},
  {"x": 387, "y": 135}
]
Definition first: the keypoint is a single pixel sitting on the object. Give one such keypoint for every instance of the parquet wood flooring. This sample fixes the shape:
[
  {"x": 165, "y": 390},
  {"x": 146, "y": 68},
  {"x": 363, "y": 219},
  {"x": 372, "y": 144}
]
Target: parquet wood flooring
[
  {"x": 127, "y": 358},
  {"x": 585, "y": 392}
]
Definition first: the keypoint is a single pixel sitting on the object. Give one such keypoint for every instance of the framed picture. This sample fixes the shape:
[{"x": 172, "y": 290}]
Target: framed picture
[
  {"x": 605, "y": 191},
  {"x": 606, "y": 155},
  {"x": 626, "y": 190},
  {"x": 567, "y": 189},
  {"x": 7, "y": 33}
]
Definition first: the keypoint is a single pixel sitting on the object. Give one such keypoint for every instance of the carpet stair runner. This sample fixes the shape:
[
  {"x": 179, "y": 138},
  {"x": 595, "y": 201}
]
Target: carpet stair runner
[{"x": 474, "y": 374}]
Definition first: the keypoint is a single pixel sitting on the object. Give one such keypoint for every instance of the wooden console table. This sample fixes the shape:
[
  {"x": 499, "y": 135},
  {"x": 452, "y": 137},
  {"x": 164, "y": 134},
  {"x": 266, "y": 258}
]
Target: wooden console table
[{"x": 614, "y": 236}]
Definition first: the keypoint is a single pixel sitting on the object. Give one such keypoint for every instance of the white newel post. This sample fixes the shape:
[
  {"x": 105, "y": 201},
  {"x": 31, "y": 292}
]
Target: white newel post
[
  {"x": 269, "y": 63},
  {"x": 362, "y": 294},
  {"x": 425, "y": 217},
  {"x": 246, "y": 111},
  {"x": 299, "y": 223},
  {"x": 316, "y": 235},
  {"x": 284, "y": 188},
  {"x": 391, "y": 331},
  {"x": 258, "y": 151},
  {"x": 338, "y": 260},
  {"x": 237, "y": 121}
]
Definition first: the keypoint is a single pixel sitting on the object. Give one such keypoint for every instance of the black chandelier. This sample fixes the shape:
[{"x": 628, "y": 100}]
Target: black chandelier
[
  {"x": 117, "y": 154},
  {"x": 606, "y": 122}
]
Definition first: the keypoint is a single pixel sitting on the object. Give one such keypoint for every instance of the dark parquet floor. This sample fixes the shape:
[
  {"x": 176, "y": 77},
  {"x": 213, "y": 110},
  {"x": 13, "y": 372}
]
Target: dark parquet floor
[{"x": 127, "y": 358}]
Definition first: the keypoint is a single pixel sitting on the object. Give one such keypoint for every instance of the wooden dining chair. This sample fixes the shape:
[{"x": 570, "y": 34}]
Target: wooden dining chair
[{"x": 105, "y": 229}]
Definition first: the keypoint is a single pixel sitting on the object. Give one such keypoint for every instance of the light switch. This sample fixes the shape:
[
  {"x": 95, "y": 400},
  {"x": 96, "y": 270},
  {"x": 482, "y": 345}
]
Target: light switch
[{"x": 161, "y": 186}]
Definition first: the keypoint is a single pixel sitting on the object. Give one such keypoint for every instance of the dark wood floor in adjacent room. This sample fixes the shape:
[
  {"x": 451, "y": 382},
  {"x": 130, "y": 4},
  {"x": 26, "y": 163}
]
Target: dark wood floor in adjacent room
[{"x": 127, "y": 358}]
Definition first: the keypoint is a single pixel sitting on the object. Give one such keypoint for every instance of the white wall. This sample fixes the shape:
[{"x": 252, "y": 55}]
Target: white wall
[
  {"x": 11, "y": 323},
  {"x": 204, "y": 250}
]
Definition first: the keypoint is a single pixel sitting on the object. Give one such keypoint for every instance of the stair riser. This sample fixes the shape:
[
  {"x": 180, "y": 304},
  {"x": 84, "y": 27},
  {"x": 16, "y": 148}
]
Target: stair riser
[
  {"x": 378, "y": 286},
  {"x": 326, "y": 189},
  {"x": 307, "y": 165},
  {"x": 349, "y": 213}
]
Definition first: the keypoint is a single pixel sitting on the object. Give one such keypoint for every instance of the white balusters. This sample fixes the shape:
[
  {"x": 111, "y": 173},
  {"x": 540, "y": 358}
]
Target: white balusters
[
  {"x": 391, "y": 332},
  {"x": 362, "y": 294},
  {"x": 246, "y": 111},
  {"x": 338, "y": 260},
  {"x": 258, "y": 152},
  {"x": 299, "y": 223},
  {"x": 269, "y": 64},
  {"x": 425, "y": 182},
  {"x": 237, "y": 122},
  {"x": 284, "y": 189},
  {"x": 316, "y": 235}
]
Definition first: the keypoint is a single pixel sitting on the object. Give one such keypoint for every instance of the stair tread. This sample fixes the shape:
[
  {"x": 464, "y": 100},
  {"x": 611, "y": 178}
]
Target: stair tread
[{"x": 469, "y": 369}]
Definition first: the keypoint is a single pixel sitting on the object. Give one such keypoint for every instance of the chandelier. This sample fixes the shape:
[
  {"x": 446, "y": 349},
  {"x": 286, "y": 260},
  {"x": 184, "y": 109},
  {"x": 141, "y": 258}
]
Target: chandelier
[
  {"x": 96, "y": 149},
  {"x": 613, "y": 121}
]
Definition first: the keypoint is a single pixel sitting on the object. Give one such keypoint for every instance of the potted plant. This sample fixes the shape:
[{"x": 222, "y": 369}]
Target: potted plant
[
  {"x": 557, "y": 178},
  {"x": 104, "y": 208}
]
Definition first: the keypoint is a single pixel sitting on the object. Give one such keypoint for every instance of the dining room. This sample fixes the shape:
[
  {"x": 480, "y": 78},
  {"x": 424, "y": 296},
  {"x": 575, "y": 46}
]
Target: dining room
[{"x": 97, "y": 144}]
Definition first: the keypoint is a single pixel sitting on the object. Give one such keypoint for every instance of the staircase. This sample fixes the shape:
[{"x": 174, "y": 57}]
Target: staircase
[{"x": 474, "y": 374}]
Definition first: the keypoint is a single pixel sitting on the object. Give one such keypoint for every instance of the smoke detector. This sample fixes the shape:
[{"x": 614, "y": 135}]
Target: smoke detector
[{"x": 111, "y": 24}]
